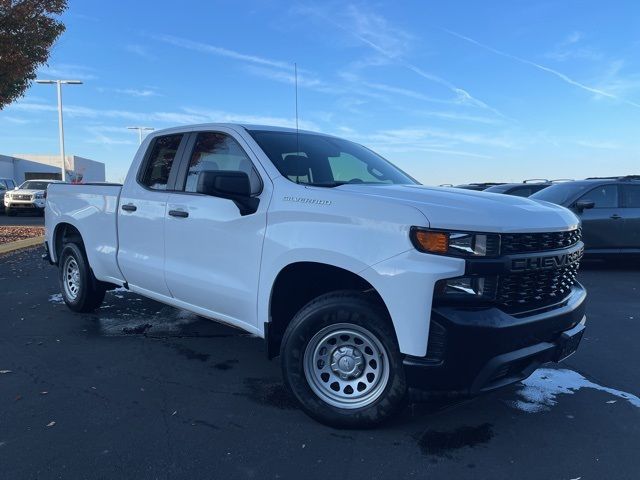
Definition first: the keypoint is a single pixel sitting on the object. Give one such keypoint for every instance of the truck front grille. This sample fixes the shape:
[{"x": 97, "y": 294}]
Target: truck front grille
[
  {"x": 21, "y": 197},
  {"x": 513, "y": 243},
  {"x": 536, "y": 288}
]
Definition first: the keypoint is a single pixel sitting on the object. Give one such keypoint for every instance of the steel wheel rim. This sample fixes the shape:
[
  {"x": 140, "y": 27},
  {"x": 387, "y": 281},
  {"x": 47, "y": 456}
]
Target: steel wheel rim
[
  {"x": 346, "y": 366},
  {"x": 71, "y": 278}
]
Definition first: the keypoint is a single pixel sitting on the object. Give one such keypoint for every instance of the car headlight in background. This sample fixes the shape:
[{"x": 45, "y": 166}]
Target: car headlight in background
[{"x": 455, "y": 244}]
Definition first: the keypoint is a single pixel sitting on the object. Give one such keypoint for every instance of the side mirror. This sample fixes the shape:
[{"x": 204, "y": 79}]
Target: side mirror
[
  {"x": 232, "y": 185},
  {"x": 584, "y": 205},
  {"x": 224, "y": 184}
]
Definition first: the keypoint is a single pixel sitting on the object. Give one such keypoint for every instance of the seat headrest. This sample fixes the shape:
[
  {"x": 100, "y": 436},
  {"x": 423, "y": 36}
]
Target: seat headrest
[{"x": 295, "y": 166}]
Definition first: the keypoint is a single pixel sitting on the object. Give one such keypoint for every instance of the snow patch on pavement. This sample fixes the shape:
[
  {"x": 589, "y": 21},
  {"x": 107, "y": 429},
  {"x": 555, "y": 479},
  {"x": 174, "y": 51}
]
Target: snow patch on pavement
[
  {"x": 540, "y": 390},
  {"x": 56, "y": 298}
]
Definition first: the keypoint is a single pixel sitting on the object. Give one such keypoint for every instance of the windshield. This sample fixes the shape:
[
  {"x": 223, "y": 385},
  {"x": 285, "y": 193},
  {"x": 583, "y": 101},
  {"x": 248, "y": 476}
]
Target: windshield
[
  {"x": 326, "y": 161},
  {"x": 561, "y": 193},
  {"x": 34, "y": 185}
]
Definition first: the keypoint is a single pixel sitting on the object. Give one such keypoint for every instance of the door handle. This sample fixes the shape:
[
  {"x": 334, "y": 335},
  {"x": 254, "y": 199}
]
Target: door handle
[
  {"x": 615, "y": 216},
  {"x": 178, "y": 213},
  {"x": 129, "y": 207}
]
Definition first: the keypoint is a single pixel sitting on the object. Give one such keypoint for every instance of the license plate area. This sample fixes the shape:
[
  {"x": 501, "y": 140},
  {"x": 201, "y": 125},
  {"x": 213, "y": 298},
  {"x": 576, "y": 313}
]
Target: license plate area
[{"x": 569, "y": 342}]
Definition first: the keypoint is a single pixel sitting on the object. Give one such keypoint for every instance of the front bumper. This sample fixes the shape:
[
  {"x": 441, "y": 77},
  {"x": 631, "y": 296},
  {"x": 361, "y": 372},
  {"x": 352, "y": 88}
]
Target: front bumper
[
  {"x": 24, "y": 205},
  {"x": 478, "y": 349}
]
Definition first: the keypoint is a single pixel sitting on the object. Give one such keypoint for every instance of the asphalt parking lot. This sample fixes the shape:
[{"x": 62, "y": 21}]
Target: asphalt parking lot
[
  {"x": 141, "y": 390},
  {"x": 21, "y": 219}
]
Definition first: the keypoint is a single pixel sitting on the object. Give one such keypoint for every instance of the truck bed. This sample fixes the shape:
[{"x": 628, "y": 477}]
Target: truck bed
[{"x": 92, "y": 209}]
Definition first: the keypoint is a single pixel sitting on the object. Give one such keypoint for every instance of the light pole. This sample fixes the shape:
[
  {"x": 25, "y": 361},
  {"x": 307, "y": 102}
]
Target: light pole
[
  {"x": 60, "y": 122},
  {"x": 140, "y": 129}
]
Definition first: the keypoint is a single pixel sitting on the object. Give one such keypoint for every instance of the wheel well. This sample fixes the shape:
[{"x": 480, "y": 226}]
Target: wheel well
[
  {"x": 66, "y": 233},
  {"x": 299, "y": 283}
]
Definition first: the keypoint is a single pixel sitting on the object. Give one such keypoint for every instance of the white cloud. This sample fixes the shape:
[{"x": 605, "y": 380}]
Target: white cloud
[
  {"x": 222, "y": 52},
  {"x": 565, "y": 78},
  {"x": 139, "y": 50},
  {"x": 568, "y": 49},
  {"x": 134, "y": 92},
  {"x": 67, "y": 71}
]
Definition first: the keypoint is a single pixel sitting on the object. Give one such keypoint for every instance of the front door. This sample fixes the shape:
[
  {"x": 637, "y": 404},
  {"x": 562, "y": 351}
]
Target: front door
[
  {"x": 141, "y": 216},
  {"x": 213, "y": 252},
  {"x": 631, "y": 214},
  {"x": 602, "y": 224}
]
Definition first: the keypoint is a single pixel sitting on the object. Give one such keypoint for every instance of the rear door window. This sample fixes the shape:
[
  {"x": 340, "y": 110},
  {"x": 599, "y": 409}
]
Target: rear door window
[
  {"x": 631, "y": 196},
  {"x": 160, "y": 161},
  {"x": 604, "y": 196}
]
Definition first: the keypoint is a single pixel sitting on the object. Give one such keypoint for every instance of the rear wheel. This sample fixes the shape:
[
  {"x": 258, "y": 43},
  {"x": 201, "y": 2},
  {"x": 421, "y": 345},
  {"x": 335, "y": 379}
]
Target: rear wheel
[
  {"x": 80, "y": 289},
  {"x": 341, "y": 360}
]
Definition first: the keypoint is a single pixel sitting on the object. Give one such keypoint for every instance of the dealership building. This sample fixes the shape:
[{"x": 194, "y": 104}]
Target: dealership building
[{"x": 21, "y": 167}]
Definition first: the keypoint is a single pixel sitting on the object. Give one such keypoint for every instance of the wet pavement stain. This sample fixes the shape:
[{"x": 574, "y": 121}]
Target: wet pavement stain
[
  {"x": 226, "y": 365},
  {"x": 204, "y": 424},
  {"x": 442, "y": 444},
  {"x": 137, "y": 330},
  {"x": 189, "y": 353},
  {"x": 272, "y": 393}
]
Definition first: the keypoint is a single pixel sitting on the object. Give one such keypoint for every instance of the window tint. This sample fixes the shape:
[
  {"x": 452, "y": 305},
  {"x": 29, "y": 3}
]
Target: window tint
[
  {"x": 631, "y": 196},
  {"x": 347, "y": 168},
  {"x": 11, "y": 184},
  {"x": 34, "y": 185},
  {"x": 604, "y": 196},
  {"x": 521, "y": 192},
  {"x": 163, "y": 153},
  {"x": 326, "y": 161},
  {"x": 217, "y": 151},
  {"x": 2, "y": 185}
]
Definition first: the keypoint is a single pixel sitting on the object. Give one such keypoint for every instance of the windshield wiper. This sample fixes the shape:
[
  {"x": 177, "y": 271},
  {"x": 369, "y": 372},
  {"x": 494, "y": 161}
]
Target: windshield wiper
[{"x": 324, "y": 184}]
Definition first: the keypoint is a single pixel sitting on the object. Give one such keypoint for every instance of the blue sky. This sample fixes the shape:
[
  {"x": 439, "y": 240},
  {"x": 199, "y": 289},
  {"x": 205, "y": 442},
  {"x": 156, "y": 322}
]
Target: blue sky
[{"x": 450, "y": 91}]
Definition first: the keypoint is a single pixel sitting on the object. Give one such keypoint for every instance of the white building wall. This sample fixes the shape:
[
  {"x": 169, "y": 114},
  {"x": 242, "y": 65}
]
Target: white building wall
[
  {"x": 78, "y": 169},
  {"x": 6, "y": 167}
]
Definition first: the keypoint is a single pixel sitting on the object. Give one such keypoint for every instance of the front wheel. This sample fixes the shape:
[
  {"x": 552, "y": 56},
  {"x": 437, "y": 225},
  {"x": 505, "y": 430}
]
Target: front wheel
[
  {"x": 80, "y": 290},
  {"x": 341, "y": 360},
  {"x": 10, "y": 212}
]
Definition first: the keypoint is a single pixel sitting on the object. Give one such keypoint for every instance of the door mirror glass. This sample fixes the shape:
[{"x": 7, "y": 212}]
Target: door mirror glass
[
  {"x": 584, "y": 204},
  {"x": 224, "y": 184}
]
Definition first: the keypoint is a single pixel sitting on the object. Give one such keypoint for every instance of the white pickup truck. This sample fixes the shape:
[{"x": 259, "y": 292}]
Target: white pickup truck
[{"x": 363, "y": 281}]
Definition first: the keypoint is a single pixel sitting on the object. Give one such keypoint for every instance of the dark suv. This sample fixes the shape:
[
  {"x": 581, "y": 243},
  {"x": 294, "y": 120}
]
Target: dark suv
[
  {"x": 524, "y": 189},
  {"x": 608, "y": 207},
  {"x": 6, "y": 184}
]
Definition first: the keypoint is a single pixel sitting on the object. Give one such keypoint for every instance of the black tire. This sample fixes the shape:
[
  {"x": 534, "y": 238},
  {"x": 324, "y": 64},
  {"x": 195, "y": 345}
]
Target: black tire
[
  {"x": 89, "y": 293},
  {"x": 346, "y": 310},
  {"x": 10, "y": 212}
]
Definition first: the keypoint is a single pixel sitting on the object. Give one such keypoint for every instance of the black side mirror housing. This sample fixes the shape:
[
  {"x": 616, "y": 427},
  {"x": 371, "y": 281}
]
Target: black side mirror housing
[
  {"x": 232, "y": 185},
  {"x": 584, "y": 205}
]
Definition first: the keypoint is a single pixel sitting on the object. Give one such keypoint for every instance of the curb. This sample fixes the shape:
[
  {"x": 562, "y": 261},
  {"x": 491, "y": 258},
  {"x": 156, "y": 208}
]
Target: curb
[{"x": 18, "y": 244}]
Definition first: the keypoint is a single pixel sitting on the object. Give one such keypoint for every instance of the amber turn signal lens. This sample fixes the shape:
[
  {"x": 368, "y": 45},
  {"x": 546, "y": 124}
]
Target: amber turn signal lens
[{"x": 434, "y": 242}]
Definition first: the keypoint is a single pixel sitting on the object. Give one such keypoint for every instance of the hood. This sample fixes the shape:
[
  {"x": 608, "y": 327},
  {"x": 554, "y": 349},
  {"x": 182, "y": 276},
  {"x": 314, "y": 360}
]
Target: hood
[
  {"x": 25, "y": 192},
  {"x": 468, "y": 210}
]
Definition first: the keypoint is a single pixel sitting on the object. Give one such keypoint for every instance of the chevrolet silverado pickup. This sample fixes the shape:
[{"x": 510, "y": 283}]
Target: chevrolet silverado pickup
[{"x": 364, "y": 282}]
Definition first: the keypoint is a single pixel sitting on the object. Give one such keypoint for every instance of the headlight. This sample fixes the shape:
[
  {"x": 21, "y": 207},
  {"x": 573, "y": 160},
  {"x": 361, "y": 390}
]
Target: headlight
[
  {"x": 455, "y": 244},
  {"x": 40, "y": 196}
]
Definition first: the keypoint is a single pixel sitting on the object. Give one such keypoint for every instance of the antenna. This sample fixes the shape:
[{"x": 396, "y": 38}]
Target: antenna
[{"x": 295, "y": 69}]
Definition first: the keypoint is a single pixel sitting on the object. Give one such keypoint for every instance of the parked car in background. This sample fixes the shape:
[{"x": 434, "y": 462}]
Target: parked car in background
[
  {"x": 524, "y": 189},
  {"x": 30, "y": 196},
  {"x": 5, "y": 185},
  {"x": 477, "y": 186},
  {"x": 608, "y": 207}
]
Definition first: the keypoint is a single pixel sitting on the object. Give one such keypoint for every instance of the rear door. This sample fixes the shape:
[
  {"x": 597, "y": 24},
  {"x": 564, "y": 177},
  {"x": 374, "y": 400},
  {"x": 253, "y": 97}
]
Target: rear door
[
  {"x": 631, "y": 214},
  {"x": 141, "y": 215},
  {"x": 602, "y": 224},
  {"x": 212, "y": 251}
]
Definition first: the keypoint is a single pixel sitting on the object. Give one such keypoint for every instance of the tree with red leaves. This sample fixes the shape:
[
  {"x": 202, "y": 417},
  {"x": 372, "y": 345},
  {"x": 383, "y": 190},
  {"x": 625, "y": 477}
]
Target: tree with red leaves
[{"x": 28, "y": 30}]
